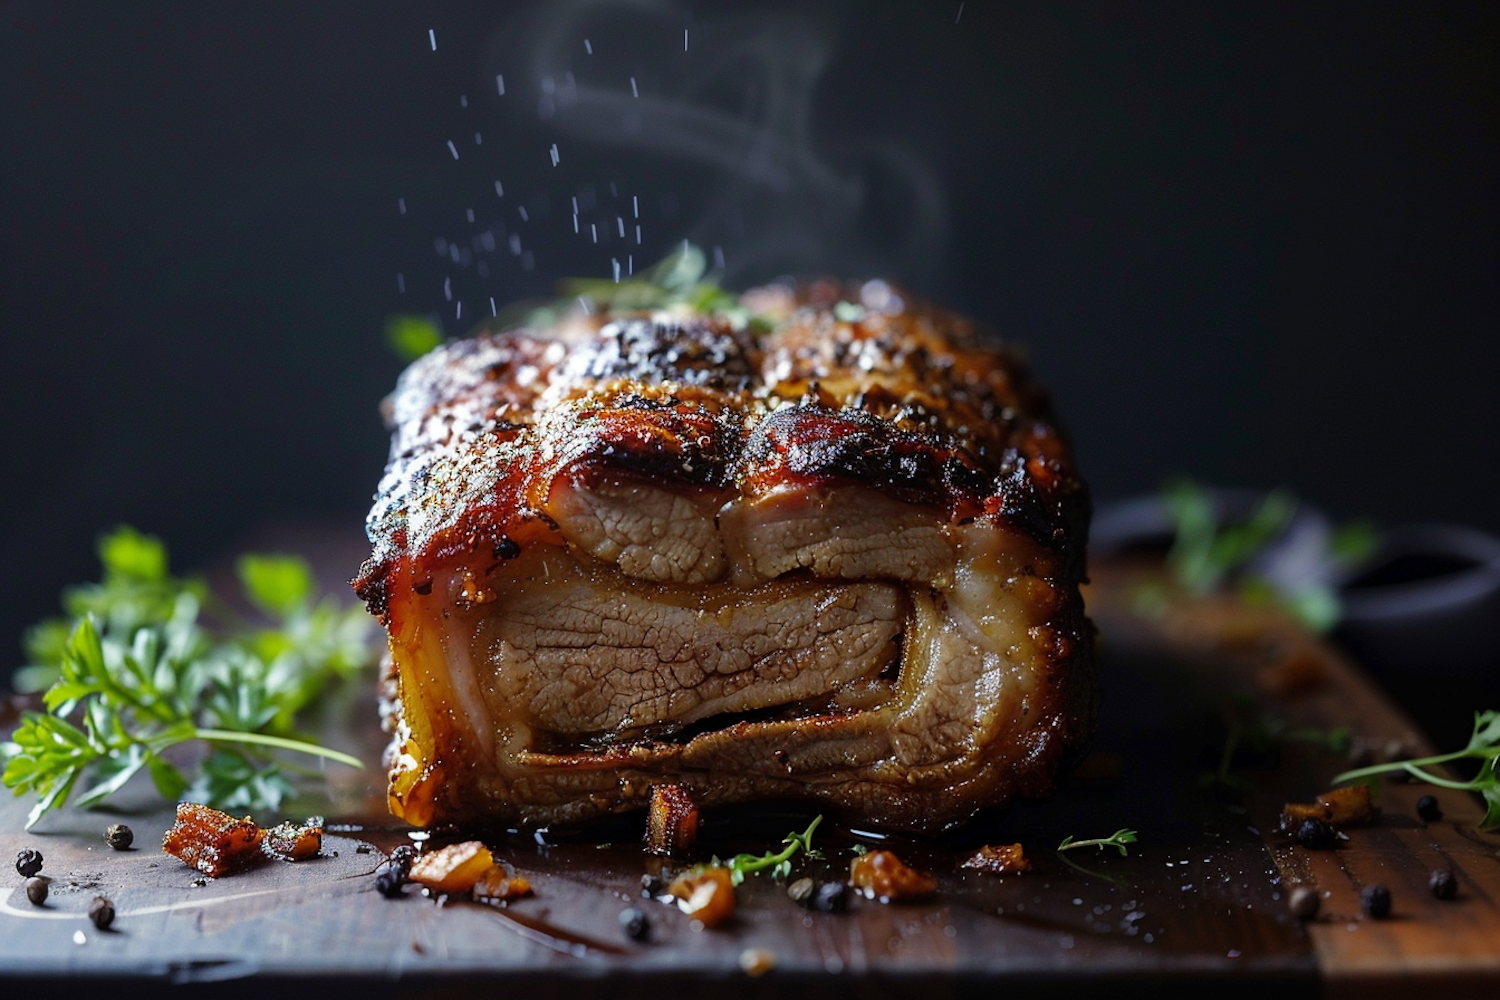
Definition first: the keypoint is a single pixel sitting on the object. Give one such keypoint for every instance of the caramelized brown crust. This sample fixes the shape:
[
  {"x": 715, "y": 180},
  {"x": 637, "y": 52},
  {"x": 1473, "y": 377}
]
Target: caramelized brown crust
[{"x": 837, "y": 395}]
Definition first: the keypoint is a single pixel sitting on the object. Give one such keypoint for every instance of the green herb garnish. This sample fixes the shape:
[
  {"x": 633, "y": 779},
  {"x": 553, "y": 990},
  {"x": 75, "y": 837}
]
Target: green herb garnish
[
  {"x": 780, "y": 862},
  {"x": 410, "y": 337},
  {"x": 1484, "y": 746},
  {"x": 1118, "y": 839},
  {"x": 1208, "y": 556},
  {"x": 138, "y": 672}
]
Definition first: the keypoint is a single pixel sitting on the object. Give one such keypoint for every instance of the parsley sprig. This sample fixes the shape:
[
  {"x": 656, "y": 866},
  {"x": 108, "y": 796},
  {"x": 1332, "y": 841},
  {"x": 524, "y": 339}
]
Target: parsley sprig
[
  {"x": 1484, "y": 746},
  {"x": 779, "y": 862},
  {"x": 1118, "y": 840},
  {"x": 139, "y": 672}
]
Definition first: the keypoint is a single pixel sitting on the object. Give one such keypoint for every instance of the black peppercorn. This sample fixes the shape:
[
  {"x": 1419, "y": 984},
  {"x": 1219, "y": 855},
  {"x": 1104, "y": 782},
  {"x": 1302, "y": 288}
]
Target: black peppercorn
[
  {"x": 634, "y": 923},
  {"x": 1427, "y": 809},
  {"x": 36, "y": 889},
  {"x": 1316, "y": 835},
  {"x": 1375, "y": 900},
  {"x": 389, "y": 880},
  {"x": 1304, "y": 902},
  {"x": 401, "y": 858},
  {"x": 1443, "y": 884},
  {"x": 119, "y": 836},
  {"x": 102, "y": 912},
  {"x": 28, "y": 862},
  {"x": 507, "y": 549},
  {"x": 831, "y": 897}
]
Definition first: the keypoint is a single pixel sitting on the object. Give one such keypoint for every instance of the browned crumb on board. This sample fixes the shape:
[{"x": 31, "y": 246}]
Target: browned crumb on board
[
  {"x": 999, "y": 859},
  {"x": 211, "y": 841},
  {"x": 882, "y": 875}
]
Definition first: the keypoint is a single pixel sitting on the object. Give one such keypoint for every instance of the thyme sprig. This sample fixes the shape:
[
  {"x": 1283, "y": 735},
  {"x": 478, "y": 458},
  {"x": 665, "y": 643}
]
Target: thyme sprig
[
  {"x": 1484, "y": 746},
  {"x": 1117, "y": 840},
  {"x": 138, "y": 672},
  {"x": 779, "y": 862}
]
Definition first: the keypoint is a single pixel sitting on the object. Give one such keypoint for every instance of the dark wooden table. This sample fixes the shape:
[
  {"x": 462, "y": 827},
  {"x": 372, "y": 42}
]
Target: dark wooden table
[{"x": 1201, "y": 899}]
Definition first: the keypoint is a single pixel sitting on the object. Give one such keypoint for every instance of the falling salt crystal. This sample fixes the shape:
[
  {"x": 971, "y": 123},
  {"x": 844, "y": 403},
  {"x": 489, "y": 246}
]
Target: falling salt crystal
[
  {"x": 459, "y": 312},
  {"x": 432, "y": 37},
  {"x": 684, "y": 40},
  {"x": 463, "y": 100},
  {"x": 500, "y": 84},
  {"x": 630, "y": 264},
  {"x": 448, "y": 289},
  {"x": 554, "y": 154},
  {"x": 637, "y": 235},
  {"x": 583, "y": 304},
  {"x": 575, "y": 222},
  {"x": 400, "y": 283},
  {"x": 515, "y": 244},
  {"x": 478, "y": 139},
  {"x": 621, "y": 223},
  {"x": 634, "y": 92},
  {"x": 522, "y": 210},
  {"x": 79, "y": 938},
  {"x": 401, "y": 204},
  {"x": 499, "y": 189},
  {"x": 719, "y": 258},
  {"x": 452, "y": 149},
  {"x": 594, "y": 230},
  {"x": 635, "y": 205},
  {"x": 960, "y": 13},
  {"x": 616, "y": 264},
  {"x": 470, "y": 213},
  {"x": 614, "y": 191},
  {"x": 587, "y": 47},
  {"x": 493, "y": 312}
]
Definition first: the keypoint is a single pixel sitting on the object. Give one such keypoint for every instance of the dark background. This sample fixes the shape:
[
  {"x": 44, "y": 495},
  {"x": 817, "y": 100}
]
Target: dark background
[{"x": 1254, "y": 243}]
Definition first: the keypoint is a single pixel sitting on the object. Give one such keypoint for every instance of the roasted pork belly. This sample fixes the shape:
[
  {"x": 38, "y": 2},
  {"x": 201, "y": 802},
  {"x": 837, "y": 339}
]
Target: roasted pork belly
[{"x": 831, "y": 553}]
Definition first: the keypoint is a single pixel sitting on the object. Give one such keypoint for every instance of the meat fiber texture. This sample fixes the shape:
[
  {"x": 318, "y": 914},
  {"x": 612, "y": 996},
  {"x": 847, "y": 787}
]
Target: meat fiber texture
[{"x": 832, "y": 552}]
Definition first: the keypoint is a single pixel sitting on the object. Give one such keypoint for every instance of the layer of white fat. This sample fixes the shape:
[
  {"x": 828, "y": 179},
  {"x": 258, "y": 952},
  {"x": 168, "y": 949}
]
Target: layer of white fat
[
  {"x": 573, "y": 651},
  {"x": 968, "y": 651},
  {"x": 650, "y": 533}
]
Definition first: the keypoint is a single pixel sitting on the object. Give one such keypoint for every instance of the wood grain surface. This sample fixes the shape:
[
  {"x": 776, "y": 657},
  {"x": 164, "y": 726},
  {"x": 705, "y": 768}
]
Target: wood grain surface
[{"x": 1201, "y": 899}]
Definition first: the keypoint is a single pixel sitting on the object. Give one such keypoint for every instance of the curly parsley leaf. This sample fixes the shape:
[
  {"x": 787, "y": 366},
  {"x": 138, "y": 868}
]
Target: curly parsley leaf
[{"x": 138, "y": 673}]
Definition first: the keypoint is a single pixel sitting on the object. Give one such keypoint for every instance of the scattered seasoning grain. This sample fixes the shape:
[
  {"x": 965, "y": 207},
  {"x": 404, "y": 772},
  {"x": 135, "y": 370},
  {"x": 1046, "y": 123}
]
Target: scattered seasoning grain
[
  {"x": 1443, "y": 883},
  {"x": 1428, "y": 810},
  {"x": 1304, "y": 902},
  {"x": 1375, "y": 900},
  {"x": 102, "y": 913},
  {"x": 28, "y": 862},
  {"x": 635, "y": 924},
  {"x": 652, "y": 885},
  {"x": 119, "y": 836},
  {"x": 36, "y": 889},
  {"x": 1316, "y": 835},
  {"x": 802, "y": 891}
]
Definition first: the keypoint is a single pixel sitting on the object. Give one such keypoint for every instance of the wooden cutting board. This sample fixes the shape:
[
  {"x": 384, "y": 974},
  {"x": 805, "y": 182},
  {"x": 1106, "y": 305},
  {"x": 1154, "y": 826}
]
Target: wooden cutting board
[{"x": 1201, "y": 899}]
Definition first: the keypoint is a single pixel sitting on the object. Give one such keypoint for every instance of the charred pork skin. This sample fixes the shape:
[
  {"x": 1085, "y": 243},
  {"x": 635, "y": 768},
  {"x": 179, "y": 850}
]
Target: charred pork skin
[{"x": 833, "y": 553}]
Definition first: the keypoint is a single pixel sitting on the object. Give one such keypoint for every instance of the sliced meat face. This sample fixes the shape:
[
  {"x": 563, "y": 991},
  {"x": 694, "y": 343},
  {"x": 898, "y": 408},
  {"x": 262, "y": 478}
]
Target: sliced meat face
[
  {"x": 813, "y": 555},
  {"x": 651, "y": 532},
  {"x": 589, "y": 657}
]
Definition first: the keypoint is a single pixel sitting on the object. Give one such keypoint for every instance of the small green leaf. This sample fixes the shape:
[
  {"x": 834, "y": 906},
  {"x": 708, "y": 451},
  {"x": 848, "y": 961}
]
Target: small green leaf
[
  {"x": 277, "y": 584},
  {"x": 127, "y": 553},
  {"x": 412, "y": 336}
]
